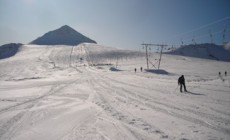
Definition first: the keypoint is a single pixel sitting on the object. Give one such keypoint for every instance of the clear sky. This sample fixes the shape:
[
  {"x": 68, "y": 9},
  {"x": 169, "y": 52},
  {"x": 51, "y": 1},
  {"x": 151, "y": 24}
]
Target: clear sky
[{"x": 117, "y": 23}]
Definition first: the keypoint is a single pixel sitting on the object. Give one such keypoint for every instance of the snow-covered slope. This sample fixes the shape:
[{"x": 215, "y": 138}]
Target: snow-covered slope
[
  {"x": 9, "y": 50},
  {"x": 72, "y": 93},
  {"x": 207, "y": 51},
  {"x": 65, "y": 35}
]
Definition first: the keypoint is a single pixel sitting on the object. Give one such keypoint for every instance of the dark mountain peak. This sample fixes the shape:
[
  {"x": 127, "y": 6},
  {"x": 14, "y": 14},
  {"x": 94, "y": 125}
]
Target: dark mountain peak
[
  {"x": 66, "y": 28},
  {"x": 64, "y": 35}
]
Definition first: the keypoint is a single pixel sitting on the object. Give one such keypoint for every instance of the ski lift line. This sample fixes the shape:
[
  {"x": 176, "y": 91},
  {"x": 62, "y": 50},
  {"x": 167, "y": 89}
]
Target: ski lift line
[
  {"x": 208, "y": 34},
  {"x": 203, "y": 26},
  {"x": 201, "y": 36},
  {"x": 226, "y": 30},
  {"x": 205, "y": 35},
  {"x": 183, "y": 39}
]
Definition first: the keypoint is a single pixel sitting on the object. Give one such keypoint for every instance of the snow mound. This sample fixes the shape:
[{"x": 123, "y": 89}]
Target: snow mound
[
  {"x": 65, "y": 35},
  {"x": 114, "y": 69},
  {"x": 9, "y": 50},
  {"x": 205, "y": 51},
  {"x": 160, "y": 71}
]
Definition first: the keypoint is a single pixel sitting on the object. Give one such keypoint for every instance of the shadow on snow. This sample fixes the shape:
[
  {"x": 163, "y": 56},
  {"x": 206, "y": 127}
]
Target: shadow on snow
[{"x": 193, "y": 93}]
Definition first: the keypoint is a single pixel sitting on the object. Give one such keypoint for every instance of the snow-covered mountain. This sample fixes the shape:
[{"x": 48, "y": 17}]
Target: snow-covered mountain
[
  {"x": 9, "y": 50},
  {"x": 65, "y": 35},
  {"x": 206, "y": 51},
  {"x": 91, "y": 91}
]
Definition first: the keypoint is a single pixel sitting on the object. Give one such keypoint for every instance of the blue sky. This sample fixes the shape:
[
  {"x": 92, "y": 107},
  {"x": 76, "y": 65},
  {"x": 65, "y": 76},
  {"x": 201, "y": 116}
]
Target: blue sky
[{"x": 117, "y": 23}]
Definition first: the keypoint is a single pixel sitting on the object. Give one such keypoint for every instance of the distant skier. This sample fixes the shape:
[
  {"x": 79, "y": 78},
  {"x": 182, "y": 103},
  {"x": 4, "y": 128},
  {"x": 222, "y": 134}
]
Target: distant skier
[
  {"x": 225, "y": 73},
  {"x": 141, "y": 69},
  {"x": 222, "y": 77},
  {"x": 135, "y": 70},
  {"x": 181, "y": 82}
]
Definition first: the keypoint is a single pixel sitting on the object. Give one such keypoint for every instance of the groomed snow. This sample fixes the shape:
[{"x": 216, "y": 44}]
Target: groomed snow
[{"x": 78, "y": 93}]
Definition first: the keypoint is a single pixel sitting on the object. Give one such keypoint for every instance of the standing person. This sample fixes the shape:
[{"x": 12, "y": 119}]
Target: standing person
[
  {"x": 219, "y": 73},
  {"x": 181, "y": 82},
  {"x": 141, "y": 69},
  {"x": 225, "y": 73},
  {"x": 135, "y": 70}
]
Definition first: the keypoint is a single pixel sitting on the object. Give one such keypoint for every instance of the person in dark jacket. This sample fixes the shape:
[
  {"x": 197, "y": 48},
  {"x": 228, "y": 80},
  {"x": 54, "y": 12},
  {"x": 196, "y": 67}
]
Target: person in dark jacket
[{"x": 181, "y": 82}]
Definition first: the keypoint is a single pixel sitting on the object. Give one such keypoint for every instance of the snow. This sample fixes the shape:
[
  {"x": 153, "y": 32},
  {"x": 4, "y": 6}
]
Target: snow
[
  {"x": 207, "y": 51},
  {"x": 90, "y": 92}
]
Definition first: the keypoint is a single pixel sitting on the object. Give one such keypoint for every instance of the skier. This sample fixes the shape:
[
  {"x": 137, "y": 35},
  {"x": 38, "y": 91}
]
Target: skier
[
  {"x": 181, "y": 82},
  {"x": 135, "y": 70},
  {"x": 225, "y": 73},
  {"x": 141, "y": 69},
  {"x": 219, "y": 73}
]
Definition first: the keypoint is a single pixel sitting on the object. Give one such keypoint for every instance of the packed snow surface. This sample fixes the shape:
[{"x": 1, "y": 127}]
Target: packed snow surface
[{"x": 91, "y": 92}]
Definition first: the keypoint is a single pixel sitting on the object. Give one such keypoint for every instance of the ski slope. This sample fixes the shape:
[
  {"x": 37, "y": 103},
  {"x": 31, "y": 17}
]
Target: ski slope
[
  {"x": 71, "y": 93},
  {"x": 205, "y": 51}
]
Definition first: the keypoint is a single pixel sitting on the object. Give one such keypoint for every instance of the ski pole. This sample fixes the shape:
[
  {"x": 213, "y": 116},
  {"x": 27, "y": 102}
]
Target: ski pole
[{"x": 176, "y": 89}]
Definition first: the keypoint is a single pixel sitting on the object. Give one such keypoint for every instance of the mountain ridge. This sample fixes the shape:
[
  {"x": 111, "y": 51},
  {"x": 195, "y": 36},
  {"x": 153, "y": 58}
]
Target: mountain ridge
[{"x": 9, "y": 50}]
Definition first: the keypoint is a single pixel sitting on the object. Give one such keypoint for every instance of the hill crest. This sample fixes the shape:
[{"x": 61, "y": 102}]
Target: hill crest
[{"x": 205, "y": 51}]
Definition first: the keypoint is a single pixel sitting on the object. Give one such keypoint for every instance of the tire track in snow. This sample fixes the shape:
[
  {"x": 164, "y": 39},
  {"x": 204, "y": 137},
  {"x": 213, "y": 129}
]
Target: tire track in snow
[
  {"x": 128, "y": 83},
  {"x": 51, "y": 92},
  {"x": 127, "y": 119},
  {"x": 13, "y": 125},
  {"x": 46, "y": 56},
  {"x": 142, "y": 87},
  {"x": 71, "y": 59},
  {"x": 173, "y": 110}
]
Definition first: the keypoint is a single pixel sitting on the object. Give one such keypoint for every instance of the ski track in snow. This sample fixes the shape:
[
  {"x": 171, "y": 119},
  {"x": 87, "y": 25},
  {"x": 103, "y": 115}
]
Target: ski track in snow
[
  {"x": 68, "y": 92},
  {"x": 149, "y": 100}
]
